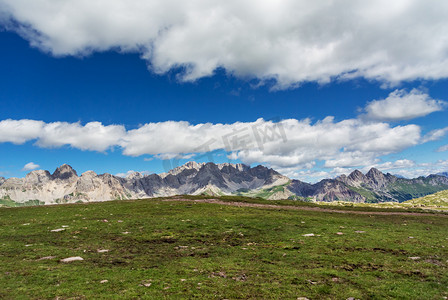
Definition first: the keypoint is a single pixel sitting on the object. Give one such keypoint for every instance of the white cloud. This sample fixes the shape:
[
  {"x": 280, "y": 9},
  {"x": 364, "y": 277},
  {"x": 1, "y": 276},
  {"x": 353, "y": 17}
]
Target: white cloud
[
  {"x": 442, "y": 148},
  {"x": 289, "y": 41},
  {"x": 393, "y": 165},
  {"x": 19, "y": 131},
  {"x": 30, "y": 166},
  {"x": 435, "y": 135},
  {"x": 423, "y": 169},
  {"x": 93, "y": 136},
  {"x": 401, "y": 105},
  {"x": 290, "y": 145}
]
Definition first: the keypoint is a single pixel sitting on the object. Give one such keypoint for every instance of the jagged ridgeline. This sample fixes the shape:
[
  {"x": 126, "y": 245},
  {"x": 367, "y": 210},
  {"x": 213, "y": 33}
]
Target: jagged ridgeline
[{"x": 65, "y": 186}]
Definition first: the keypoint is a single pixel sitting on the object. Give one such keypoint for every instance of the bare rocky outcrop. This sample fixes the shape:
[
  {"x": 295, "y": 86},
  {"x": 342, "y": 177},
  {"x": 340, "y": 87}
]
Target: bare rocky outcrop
[{"x": 65, "y": 186}]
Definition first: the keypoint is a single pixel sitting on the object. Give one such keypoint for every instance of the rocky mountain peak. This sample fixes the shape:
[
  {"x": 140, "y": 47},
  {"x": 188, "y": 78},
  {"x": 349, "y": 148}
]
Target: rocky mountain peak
[
  {"x": 134, "y": 176},
  {"x": 37, "y": 177},
  {"x": 357, "y": 175},
  {"x": 191, "y": 165},
  {"x": 374, "y": 174},
  {"x": 376, "y": 177},
  {"x": 239, "y": 167},
  {"x": 89, "y": 174},
  {"x": 64, "y": 172}
]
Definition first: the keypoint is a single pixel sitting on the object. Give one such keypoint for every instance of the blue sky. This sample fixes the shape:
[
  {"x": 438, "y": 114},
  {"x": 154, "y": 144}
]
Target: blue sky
[{"x": 105, "y": 102}]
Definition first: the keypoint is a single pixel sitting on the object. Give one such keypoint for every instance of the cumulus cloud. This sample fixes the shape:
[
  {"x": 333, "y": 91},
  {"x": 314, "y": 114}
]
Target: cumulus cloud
[
  {"x": 282, "y": 40},
  {"x": 422, "y": 169},
  {"x": 30, "y": 166},
  {"x": 289, "y": 145},
  {"x": 402, "y": 105},
  {"x": 442, "y": 148},
  {"x": 92, "y": 136},
  {"x": 435, "y": 135},
  {"x": 20, "y": 131}
]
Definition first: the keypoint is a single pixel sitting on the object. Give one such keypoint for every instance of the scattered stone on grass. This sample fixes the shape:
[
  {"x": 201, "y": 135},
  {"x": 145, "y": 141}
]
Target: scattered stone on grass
[
  {"x": 339, "y": 233},
  {"x": 335, "y": 279},
  {"x": 218, "y": 274},
  {"x": 414, "y": 257},
  {"x": 102, "y": 250},
  {"x": 47, "y": 257},
  {"x": 104, "y": 281},
  {"x": 309, "y": 234},
  {"x": 242, "y": 277},
  {"x": 73, "y": 258},
  {"x": 57, "y": 230}
]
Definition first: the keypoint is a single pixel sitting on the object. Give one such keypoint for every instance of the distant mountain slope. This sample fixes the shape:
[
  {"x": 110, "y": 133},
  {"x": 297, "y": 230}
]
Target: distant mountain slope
[
  {"x": 65, "y": 186},
  {"x": 375, "y": 186},
  {"x": 439, "y": 199}
]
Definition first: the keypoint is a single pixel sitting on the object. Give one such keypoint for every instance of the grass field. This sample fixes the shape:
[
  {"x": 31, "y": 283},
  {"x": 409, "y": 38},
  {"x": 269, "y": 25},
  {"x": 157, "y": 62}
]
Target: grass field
[{"x": 159, "y": 249}]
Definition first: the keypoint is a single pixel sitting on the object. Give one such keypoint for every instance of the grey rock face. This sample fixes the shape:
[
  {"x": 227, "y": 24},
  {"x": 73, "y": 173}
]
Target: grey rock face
[
  {"x": 64, "y": 172},
  {"x": 64, "y": 185},
  {"x": 38, "y": 177}
]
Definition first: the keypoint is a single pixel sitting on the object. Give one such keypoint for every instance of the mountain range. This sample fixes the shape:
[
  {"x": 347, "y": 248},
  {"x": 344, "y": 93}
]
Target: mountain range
[{"x": 65, "y": 186}]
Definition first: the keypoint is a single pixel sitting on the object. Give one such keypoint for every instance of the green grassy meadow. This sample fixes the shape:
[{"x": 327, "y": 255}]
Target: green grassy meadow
[{"x": 159, "y": 249}]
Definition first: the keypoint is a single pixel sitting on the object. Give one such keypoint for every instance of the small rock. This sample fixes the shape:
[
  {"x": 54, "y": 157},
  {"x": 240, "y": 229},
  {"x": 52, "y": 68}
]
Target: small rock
[
  {"x": 105, "y": 221},
  {"x": 70, "y": 259},
  {"x": 28, "y": 245},
  {"x": 411, "y": 237},
  {"x": 335, "y": 279},
  {"x": 308, "y": 234},
  {"x": 126, "y": 232},
  {"x": 183, "y": 280},
  {"x": 57, "y": 230},
  {"x": 64, "y": 226},
  {"x": 102, "y": 250},
  {"x": 414, "y": 257},
  {"x": 26, "y": 224},
  {"x": 148, "y": 284},
  {"x": 339, "y": 233},
  {"x": 120, "y": 221},
  {"x": 47, "y": 257},
  {"x": 104, "y": 281}
]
